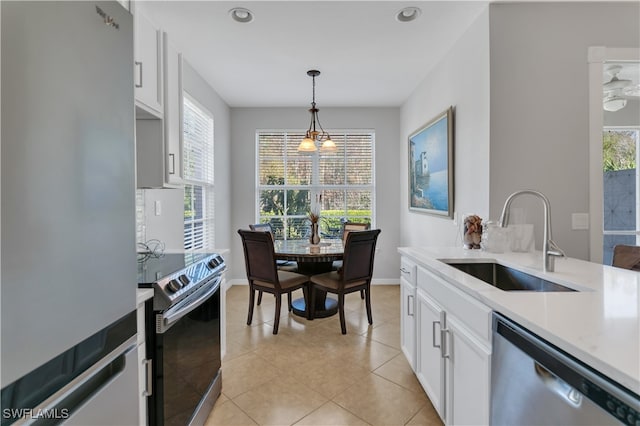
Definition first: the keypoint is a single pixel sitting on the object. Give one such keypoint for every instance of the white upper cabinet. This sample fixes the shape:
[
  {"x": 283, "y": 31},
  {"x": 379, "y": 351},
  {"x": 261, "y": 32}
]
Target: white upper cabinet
[
  {"x": 148, "y": 65},
  {"x": 159, "y": 139},
  {"x": 173, "y": 112}
]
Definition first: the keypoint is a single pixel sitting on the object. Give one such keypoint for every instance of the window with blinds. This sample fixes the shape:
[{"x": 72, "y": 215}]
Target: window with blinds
[
  {"x": 340, "y": 185},
  {"x": 197, "y": 157}
]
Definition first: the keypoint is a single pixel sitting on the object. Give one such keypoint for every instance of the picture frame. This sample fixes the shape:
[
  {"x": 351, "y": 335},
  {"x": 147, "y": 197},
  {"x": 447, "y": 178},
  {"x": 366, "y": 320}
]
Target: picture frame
[{"x": 431, "y": 166}]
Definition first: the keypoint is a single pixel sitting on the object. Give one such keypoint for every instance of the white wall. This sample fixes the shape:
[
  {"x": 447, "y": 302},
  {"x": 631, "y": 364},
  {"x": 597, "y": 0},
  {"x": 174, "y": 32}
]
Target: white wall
[
  {"x": 461, "y": 79},
  {"x": 164, "y": 224},
  {"x": 385, "y": 122},
  {"x": 540, "y": 106}
]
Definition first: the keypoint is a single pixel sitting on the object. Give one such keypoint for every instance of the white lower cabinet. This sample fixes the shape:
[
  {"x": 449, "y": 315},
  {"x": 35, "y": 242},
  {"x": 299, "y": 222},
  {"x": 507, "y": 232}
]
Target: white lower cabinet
[
  {"x": 453, "y": 342},
  {"x": 408, "y": 311},
  {"x": 468, "y": 371},
  {"x": 144, "y": 364},
  {"x": 430, "y": 363}
]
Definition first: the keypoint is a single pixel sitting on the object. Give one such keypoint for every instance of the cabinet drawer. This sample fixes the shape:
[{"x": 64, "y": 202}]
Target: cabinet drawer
[
  {"x": 408, "y": 271},
  {"x": 473, "y": 314}
]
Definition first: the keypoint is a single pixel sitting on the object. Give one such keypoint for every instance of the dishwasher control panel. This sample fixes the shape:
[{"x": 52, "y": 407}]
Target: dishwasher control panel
[{"x": 627, "y": 414}]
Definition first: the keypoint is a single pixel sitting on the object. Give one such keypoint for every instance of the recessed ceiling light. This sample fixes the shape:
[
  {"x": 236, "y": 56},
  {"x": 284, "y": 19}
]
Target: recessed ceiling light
[
  {"x": 242, "y": 15},
  {"x": 408, "y": 14}
]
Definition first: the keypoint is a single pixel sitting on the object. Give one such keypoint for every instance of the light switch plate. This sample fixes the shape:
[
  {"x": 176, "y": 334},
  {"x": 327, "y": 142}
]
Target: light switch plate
[
  {"x": 579, "y": 221},
  {"x": 158, "y": 208}
]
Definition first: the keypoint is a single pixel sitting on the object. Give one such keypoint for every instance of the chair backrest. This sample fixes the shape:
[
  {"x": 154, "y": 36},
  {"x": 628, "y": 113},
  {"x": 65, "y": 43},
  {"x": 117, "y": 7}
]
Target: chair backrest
[
  {"x": 359, "y": 252},
  {"x": 627, "y": 257},
  {"x": 353, "y": 226},
  {"x": 259, "y": 256}
]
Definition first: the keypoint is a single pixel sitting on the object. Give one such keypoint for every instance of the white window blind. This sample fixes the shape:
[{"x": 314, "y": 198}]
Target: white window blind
[{"x": 198, "y": 176}]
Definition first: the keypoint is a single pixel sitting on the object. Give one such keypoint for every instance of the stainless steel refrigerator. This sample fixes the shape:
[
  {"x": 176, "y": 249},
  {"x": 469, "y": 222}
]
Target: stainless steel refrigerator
[{"x": 68, "y": 277}]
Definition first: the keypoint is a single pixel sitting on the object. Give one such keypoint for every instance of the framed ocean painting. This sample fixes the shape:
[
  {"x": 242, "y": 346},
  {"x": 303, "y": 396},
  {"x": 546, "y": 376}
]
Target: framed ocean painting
[{"x": 431, "y": 166}]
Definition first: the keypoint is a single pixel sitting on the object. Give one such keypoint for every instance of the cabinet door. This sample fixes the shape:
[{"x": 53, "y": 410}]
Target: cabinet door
[
  {"x": 408, "y": 321},
  {"x": 468, "y": 373},
  {"x": 429, "y": 362},
  {"x": 143, "y": 366},
  {"x": 148, "y": 65},
  {"x": 172, "y": 112}
]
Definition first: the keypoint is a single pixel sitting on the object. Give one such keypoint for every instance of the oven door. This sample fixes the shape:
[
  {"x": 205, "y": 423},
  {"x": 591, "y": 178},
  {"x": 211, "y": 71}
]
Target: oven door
[{"x": 185, "y": 347}]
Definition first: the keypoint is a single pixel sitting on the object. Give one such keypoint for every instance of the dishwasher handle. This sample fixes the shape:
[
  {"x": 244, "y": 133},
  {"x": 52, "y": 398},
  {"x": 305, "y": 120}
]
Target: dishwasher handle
[{"x": 557, "y": 385}]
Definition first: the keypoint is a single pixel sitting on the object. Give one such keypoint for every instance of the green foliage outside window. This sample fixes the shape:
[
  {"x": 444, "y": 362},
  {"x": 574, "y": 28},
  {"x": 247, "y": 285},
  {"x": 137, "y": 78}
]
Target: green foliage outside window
[{"x": 618, "y": 150}]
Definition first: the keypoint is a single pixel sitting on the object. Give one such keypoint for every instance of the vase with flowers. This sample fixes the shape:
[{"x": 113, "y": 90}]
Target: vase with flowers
[{"x": 314, "y": 236}]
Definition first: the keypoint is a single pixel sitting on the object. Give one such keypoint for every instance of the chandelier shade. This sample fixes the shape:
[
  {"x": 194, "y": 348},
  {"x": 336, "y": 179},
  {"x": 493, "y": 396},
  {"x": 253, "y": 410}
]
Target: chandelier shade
[{"x": 313, "y": 137}]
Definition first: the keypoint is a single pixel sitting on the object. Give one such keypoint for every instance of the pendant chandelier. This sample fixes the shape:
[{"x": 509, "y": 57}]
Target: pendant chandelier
[{"x": 313, "y": 136}]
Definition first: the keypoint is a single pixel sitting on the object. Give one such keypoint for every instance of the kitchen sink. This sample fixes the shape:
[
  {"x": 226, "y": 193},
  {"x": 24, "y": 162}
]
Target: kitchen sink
[{"x": 506, "y": 278}]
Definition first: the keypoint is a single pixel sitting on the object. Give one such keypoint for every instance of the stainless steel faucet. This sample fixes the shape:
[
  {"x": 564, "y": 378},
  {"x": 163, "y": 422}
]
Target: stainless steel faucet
[{"x": 549, "y": 249}]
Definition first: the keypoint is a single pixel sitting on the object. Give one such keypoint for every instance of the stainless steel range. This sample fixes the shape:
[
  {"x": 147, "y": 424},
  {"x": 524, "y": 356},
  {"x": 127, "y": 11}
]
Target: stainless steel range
[{"x": 183, "y": 335}]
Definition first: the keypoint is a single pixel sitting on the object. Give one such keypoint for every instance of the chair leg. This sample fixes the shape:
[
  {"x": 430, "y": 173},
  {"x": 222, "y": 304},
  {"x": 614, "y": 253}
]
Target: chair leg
[
  {"x": 259, "y": 297},
  {"x": 367, "y": 293},
  {"x": 252, "y": 297},
  {"x": 362, "y": 294},
  {"x": 289, "y": 301},
  {"x": 343, "y": 325},
  {"x": 276, "y": 321}
]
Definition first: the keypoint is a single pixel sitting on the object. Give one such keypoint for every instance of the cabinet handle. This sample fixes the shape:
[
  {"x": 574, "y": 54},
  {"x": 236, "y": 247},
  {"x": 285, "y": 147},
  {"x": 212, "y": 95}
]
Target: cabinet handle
[
  {"x": 149, "y": 377},
  {"x": 404, "y": 271},
  {"x": 410, "y": 305},
  {"x": 433, "y": 335},
  {"x": 445, "y": 346},
  {"x": 173, "y": 164},
  {"x": 139, "y": 65}
]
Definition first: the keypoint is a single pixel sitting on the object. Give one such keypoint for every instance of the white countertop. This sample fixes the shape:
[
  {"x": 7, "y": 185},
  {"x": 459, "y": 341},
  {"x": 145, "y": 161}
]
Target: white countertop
[
  {"x": 599, "y": 324},
  {"x": 142, "y": 294}
]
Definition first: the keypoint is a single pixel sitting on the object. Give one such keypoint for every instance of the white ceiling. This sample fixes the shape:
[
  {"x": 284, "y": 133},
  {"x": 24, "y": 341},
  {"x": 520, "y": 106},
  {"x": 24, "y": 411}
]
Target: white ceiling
[{"x": 366, "y": 57}]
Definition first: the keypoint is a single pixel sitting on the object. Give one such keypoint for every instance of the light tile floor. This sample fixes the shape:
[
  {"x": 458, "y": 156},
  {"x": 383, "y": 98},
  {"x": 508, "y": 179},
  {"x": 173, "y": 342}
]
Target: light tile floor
[{"x": 311, "y": 374}]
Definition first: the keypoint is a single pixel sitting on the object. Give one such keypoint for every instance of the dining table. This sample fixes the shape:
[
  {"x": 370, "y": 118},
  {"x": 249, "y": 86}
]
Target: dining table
[{"x": 312, "y": 259}]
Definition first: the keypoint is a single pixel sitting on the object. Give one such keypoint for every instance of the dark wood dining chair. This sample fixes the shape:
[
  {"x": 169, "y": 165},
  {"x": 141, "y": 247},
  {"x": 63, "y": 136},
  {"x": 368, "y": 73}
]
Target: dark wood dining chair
[
  {"x": 627, "y": 257},
  {"x": 346, "y": 228},
  {"x": 264, "y": 276},
  {"x": 356, "y": 273},
  {"x": 283, "y": 265}
]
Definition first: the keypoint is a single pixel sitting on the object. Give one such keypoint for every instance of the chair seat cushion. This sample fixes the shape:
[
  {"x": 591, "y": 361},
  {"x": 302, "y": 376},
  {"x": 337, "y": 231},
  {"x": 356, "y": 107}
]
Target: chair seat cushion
[
  {"x": 287, "y": 280},
  {"x": 331, "y": 281}
]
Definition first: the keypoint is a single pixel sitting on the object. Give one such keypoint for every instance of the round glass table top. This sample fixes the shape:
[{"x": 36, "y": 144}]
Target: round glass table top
[{"x": 303, "y": 251}]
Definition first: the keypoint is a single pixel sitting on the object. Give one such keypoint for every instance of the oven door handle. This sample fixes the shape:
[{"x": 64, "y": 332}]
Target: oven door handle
[{"x": 192, "y": 302}]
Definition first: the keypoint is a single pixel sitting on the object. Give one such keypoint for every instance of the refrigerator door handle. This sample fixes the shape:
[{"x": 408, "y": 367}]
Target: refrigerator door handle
[{"x": 72, "y": 396}]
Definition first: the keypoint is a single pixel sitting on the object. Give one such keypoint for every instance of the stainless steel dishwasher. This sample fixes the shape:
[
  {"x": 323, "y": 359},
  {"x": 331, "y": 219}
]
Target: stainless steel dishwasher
[{"x": 535, "y": 383}]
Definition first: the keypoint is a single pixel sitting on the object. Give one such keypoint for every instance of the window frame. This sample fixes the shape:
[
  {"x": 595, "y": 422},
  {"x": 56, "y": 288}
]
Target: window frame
[{"x": 315, "y": 188}]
